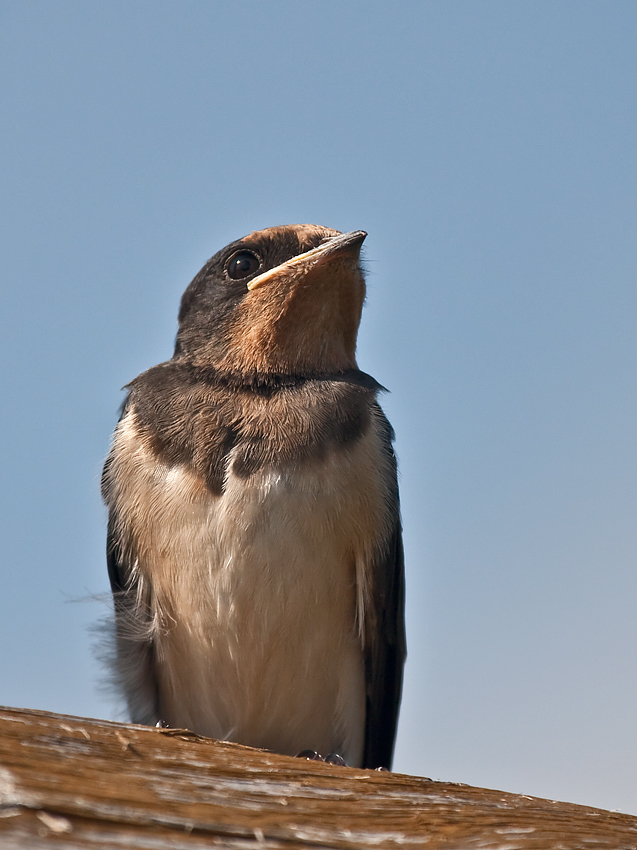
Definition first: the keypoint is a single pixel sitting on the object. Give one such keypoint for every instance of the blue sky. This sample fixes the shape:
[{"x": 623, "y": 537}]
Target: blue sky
[{"x": 489, "y": 149}]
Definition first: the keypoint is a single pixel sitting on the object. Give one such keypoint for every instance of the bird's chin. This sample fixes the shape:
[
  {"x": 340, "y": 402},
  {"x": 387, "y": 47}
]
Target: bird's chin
[{"x": 303, "y": 315}]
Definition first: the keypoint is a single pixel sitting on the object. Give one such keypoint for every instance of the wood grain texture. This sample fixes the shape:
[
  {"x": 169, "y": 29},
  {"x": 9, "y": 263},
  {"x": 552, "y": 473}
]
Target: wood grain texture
[{"x": 69, "y": 782}]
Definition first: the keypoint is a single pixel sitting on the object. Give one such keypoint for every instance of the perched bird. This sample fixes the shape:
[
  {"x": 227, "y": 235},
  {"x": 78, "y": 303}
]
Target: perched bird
[{"x": 254, "y": 540}]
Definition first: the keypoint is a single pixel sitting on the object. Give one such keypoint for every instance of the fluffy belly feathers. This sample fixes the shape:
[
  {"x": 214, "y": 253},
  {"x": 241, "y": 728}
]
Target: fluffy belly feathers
[{"x": 258, "y": 593}]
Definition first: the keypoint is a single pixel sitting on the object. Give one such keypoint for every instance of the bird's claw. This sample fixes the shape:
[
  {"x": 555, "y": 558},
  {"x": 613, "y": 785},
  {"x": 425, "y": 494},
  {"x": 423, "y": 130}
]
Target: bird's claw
[
  {"x": 310, "y": 755},
  {"x": 331, "y": 758}
]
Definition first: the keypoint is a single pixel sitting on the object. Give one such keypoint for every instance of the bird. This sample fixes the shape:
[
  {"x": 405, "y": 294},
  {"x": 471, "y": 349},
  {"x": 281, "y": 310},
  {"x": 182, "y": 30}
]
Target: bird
[{"x": 254, "y": 542}]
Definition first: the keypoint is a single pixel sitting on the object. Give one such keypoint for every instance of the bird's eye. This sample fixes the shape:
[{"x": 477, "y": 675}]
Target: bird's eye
[{"x": 242, "y": 264}]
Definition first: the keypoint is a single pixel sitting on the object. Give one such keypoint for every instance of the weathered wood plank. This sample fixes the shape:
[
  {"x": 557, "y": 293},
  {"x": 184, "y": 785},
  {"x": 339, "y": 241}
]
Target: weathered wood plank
[{"x": 78, "y": 783}]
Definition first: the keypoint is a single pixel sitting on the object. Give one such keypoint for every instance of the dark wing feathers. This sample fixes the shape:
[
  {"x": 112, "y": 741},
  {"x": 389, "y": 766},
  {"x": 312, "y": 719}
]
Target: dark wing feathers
[
  {"x": 385, "y": 643},
  {"x": 133, "y": 666}
]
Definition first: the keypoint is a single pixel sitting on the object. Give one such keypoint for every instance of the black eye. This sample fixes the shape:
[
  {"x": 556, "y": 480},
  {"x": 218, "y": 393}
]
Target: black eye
[{"x": 242, "y": 264}]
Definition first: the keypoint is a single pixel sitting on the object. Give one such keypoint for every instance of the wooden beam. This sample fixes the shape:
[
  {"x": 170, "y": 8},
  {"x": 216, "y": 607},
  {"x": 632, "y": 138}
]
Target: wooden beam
[{"x": 70, "y": 782}]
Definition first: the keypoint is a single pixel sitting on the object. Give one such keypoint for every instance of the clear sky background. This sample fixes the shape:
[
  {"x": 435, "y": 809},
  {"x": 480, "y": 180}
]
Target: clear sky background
[{"x": 489, "y": 149}]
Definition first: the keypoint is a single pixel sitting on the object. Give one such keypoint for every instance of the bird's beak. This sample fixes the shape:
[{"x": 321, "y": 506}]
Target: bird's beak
[{"x": 346, "y": 243}]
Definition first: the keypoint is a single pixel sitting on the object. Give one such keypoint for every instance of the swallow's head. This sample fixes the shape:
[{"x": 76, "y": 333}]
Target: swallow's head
[{"x": 284, "y": 300}]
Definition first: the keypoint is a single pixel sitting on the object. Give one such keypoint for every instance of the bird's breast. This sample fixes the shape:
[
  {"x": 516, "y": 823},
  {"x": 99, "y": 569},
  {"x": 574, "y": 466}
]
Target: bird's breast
[{"x": 259, "y": 591}]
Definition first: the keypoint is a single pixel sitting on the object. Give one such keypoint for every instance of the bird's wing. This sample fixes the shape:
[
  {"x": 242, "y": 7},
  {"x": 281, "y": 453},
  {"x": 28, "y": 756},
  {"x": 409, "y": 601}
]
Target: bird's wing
[
  {"x": 385, "y": 644},
  {"x": 133, "y": 664}
]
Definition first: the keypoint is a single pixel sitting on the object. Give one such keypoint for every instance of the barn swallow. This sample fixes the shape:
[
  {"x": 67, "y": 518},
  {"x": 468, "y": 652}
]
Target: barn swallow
[{"x": 254, "y": 538}]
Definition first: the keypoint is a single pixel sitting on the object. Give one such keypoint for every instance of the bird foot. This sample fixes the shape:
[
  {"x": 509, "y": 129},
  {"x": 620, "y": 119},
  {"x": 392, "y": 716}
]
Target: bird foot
[
  {"x": 310, "y": 755},
  {"x": 330, "y": 758}
]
